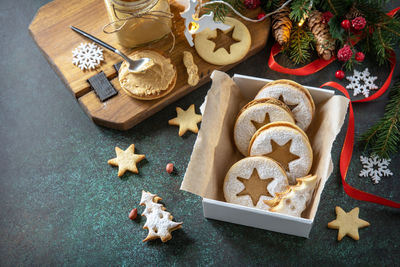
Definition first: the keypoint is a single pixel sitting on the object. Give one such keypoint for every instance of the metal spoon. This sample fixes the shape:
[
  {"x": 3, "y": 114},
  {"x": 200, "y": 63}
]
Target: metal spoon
[{"x": 134, "y": 65}]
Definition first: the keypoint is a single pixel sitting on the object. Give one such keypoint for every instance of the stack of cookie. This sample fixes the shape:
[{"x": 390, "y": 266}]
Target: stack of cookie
[{"x": 270, "y": 133}]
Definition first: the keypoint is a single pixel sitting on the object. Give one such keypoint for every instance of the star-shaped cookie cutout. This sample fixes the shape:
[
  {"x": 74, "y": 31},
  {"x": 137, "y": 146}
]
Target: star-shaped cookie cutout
[
  {"x": 255, "y": 187},
  {"x": 223, "y": 40},
  {"x": 126, "y": 160},
  {"x": 186, "y": 120},
  {"x": 282, "y": 154},
  {"x": 347, "y": 223},
  {"x": 258, "y": 125}
]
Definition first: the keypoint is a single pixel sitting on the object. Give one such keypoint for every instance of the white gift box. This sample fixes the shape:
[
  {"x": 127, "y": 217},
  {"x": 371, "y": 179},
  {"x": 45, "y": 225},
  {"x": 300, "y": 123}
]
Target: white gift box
[{"x": 214, "y": 152}]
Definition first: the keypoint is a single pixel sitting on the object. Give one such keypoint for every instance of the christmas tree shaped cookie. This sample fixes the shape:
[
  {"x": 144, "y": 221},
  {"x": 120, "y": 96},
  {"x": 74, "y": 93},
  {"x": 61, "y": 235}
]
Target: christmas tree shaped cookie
[
  {"x": 295, "y": 199},
  {"x": 158, "y": 220}
]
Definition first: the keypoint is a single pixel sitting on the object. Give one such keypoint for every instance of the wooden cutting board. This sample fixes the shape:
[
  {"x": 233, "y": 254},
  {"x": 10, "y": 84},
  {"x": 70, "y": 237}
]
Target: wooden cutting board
[{"x": 51, "y": 32}]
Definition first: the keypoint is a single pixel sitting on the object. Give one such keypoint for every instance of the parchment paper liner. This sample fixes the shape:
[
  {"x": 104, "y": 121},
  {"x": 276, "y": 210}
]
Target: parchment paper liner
[{"x": 215, "y": 152}]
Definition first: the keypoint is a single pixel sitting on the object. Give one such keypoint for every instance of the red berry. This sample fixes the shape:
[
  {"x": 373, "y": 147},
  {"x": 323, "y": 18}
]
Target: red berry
[
  {"x": 261, "y": 15},
  {"x": 133, "y": 214},
  {"x": 326, "y": 17},
  {"x": 169, "y": 168},
  {"x": 358, "y": 23},
  {"x": 360, "y": 56},
  {"x": 339, "y": 74},
  {"x": 252, "y": 4},
  {"x": 345, "y": 24},
  {"x": 345, "y": 53}
]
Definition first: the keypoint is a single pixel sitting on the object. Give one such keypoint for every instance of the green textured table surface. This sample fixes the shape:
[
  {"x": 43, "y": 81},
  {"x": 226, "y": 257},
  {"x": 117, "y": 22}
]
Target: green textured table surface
[{"x": 61, "y": 203}]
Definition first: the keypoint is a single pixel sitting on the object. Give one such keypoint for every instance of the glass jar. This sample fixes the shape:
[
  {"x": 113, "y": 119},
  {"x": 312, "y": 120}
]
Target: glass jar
[{"x": 139, "y": 22}]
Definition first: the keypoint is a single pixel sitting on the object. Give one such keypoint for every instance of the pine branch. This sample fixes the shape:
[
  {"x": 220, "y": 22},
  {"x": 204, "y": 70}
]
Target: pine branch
[
  {"x": 221, "y": 11},
  {"x": 299, "y": 45},
  {"x": 384, "y": 137},
  {"x": 299, "y": 9}
]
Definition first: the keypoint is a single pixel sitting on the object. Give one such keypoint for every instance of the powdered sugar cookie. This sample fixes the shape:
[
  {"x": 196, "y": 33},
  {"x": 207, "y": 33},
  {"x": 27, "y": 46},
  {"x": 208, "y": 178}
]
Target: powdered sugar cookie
[
  {"x": 256, "y": 114},
  {"x": 295, "y": 96},
  {"x": 295, "y": 199},
  {"x": 287, "y": 144},
  {"x": 252, "y": 180},
  {"x": 159, "y": 221}
]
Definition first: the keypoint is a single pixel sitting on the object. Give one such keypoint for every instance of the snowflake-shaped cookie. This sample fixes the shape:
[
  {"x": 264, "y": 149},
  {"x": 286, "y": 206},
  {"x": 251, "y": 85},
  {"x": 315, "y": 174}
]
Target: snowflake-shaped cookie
[
  {"x": 375, "y": 168},
  {"x": 87, "y": 56},
  {"x": 361, "y": 82}
]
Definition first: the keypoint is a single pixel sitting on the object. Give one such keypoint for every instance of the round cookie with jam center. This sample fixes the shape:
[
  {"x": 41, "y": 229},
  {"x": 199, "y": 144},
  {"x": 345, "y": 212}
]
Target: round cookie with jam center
[
  {"x": 205, "y": 47},
  {"x": 256, "y": 114},
  {"x": 287, "y": 144},
  {"x": 252, "y": 180},
  {"x": 295, "y": 96}
]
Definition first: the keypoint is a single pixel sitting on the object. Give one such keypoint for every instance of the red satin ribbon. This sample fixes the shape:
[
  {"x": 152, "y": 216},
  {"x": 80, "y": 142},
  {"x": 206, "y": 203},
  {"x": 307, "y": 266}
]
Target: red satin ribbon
[
  {"x": 309, "y": 69},
  {"x": 347, "y": 152},
  {"x": 347, "y": 149}
]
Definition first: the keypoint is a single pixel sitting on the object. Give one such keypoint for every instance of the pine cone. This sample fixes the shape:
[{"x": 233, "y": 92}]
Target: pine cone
[
  {"x": 281, "y": 25},
  {"x": 325, "y": 44},
  {"x": 353, "y": 13}
]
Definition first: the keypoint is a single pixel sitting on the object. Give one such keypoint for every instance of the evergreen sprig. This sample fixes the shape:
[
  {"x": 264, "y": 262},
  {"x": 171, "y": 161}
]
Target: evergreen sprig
[
  {"x": 299, "y": 9},
  {"x": 299, "y": 45},
  {"x": 384, "y": 137},
  {"x": 221, "y": 11}
]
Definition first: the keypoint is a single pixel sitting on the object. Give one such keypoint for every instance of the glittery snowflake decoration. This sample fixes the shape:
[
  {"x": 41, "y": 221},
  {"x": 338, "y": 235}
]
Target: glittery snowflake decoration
[
  {"x": 361, "y": 82},
  {"x": 87, "y": 56},
  {"x": 375, "y": 168}
]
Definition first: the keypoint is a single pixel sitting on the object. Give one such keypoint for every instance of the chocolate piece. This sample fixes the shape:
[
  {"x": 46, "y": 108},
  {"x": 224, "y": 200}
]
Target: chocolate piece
[{"x": 102, "y": 86}]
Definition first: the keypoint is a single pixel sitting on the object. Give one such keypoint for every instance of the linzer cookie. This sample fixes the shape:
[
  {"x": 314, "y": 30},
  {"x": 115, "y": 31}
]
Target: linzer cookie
[
  {"x": 294, "y": 200},
  {"x": 252, "y": 180},
  {"x": 287, "y": 144},
  {"x": 295, "y": 96},
  {"x": 211, "y": 50},
  {"x": 256, "y": 114}
]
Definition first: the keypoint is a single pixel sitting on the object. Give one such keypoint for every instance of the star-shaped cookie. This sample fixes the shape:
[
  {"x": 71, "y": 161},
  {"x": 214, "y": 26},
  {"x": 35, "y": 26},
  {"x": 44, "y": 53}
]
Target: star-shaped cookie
[
  {"x": 186, "y": 120},
  {"x": 347, "y": 223},
  {"x": 126, "y": 160}
]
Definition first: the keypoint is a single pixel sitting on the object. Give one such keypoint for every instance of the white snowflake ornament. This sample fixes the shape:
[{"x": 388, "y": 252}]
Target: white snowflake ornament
[
  {"x": 375, "y": 168},
  {"x": 87, "y": 56},
  {"x": 361, "y": 82}
]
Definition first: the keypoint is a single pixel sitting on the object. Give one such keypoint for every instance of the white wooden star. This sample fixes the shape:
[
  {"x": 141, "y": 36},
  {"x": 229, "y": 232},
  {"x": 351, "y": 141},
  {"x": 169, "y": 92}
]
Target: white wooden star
[{"x": 194, "y": 24}]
